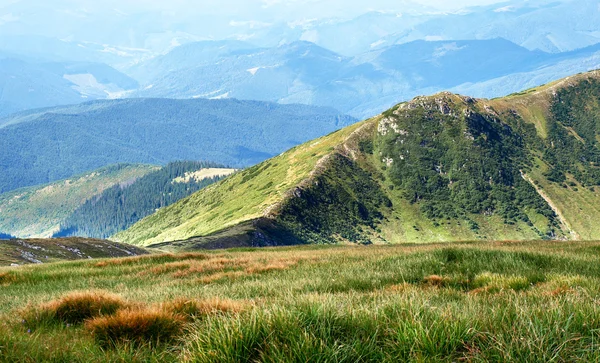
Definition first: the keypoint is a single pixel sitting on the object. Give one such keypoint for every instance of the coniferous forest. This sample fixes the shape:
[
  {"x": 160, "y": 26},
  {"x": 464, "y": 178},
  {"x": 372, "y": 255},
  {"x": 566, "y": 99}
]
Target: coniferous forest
[{"x": 119, "y": 207}]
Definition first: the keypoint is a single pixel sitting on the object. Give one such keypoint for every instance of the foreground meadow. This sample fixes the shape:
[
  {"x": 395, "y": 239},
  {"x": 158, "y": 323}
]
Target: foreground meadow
[{"x": 531, "y": 301}]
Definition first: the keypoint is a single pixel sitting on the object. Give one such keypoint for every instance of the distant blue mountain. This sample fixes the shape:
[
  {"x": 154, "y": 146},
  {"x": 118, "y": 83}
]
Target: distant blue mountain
[
  {"x": 45, "y": 145},
  {"x": 302, "y": 72},
  {"x": 25, "y": 85}
]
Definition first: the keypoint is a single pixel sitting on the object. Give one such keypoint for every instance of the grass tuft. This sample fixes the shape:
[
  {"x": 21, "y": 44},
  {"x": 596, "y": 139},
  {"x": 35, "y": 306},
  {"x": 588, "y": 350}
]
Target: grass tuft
[
  {"x": 73, "y": 309},
  {"x": 7, "y": 278},
  {"x": 136, "y": 327}
]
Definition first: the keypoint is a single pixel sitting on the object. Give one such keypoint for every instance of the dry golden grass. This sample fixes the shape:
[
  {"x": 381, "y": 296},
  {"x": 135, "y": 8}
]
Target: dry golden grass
[
  {"x": 166, "y": 257},
  {"x": 136, "y": 326},
  {"x": 231, "y": 275},
  {"x": 435, "y": 280},
  {"x": 74, "y": 308},
  {"x": 7, "y": 278}
]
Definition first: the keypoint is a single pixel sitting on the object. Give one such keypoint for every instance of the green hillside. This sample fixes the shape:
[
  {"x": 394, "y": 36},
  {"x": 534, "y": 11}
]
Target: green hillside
[
  {"x": 119, "y": 207},
  {"x": 439, "y": 168},
  {"x": 38, "y": 211}
]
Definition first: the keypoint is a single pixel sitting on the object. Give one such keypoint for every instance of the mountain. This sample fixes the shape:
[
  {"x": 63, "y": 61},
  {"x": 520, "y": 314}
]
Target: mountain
[
  {"x": 552, "y": 26},
  {"x": 45, "y": 145},
  {"x": 287, "y": 73},
  {"x": 439, "y": 168},
  {"x": 25, "y": 85},
  {"x": 186, "y": 56},
  {"x": 363, "y": 85},
  {"x": 18, "y": 252},
  {"x": 38, "y": 211},
  {"x": 120, "y": 33},
  {"x": 119, "y": 207}
]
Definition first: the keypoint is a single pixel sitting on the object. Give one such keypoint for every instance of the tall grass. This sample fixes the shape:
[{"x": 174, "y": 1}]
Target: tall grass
[{"x": 529, "y": 302}]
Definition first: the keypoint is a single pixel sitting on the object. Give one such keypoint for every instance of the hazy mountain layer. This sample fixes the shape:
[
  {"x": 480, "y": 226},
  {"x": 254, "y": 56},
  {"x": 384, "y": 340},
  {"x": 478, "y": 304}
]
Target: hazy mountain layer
[{"x": 41, "y": 146}]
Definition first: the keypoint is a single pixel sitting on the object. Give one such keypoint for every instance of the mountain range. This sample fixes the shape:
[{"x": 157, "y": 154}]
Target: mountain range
[
  {"x": 367, "y": 84},
  {"x": 387, "y": 56},
  {"x": 45, "y": 145},
  {"x": 118, "y": 32},
  {"x": 438, "y": 168}
]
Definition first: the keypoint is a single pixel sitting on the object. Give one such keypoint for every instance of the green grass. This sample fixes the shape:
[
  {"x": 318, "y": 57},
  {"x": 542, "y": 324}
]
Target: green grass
[
  {"x": 478, "y": 302},
  {"x": 38, "y": 211}
]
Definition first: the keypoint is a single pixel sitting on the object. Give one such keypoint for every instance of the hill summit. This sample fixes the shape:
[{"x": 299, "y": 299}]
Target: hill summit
[{"x": 439, "y": 168}]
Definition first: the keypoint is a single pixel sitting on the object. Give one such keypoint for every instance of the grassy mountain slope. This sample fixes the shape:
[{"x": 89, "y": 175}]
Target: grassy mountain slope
[
  {"x": 38, "y": 211},
  {"x": 73, "y": 139},
  {"x": 119, "y": 207},
  {"x": 439, "y": 168},
  {"x": 37, "y": 251},
  {"x": 245, "y": 196}
]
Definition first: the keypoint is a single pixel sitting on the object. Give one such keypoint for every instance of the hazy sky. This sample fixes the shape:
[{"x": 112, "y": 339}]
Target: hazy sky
[{"x": 324, "y": 8}]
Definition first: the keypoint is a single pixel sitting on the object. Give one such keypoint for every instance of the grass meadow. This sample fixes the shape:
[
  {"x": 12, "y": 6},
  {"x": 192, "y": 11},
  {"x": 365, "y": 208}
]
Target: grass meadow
[{"x": 473, "y": 302}]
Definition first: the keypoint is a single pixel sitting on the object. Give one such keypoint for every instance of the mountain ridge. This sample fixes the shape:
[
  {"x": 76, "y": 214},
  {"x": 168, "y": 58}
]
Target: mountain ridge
[{"x": 516, "y": 134}]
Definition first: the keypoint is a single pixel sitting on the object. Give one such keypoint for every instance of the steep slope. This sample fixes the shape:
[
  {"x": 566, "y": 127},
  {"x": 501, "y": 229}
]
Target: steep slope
[
  {"x": 18, "y": 252},
  {"x": 45, "y": 145},
  {"x": 440, "y": 168},
  {"x": 120, "y": 206},
  {"x": 38, "y": 211}
]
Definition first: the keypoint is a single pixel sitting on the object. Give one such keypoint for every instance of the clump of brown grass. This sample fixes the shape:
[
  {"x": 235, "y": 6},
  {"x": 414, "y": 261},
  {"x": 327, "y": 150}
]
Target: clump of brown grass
[
  {"x": 7, "y": 278},
  {"x": 405, "y": 286},
  {"x": 166, "y": 268},
  {"x": 190, "y": 309},
  {"x": 560, "y": 291},
  {"x": 435, "y": 280},
  {"x": 74, "y": 308},
  {"x": 137, "y": 327}
]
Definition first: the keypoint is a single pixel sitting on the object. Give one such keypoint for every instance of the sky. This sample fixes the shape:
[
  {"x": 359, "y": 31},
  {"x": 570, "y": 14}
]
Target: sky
[{"x": 325, "y": 8}]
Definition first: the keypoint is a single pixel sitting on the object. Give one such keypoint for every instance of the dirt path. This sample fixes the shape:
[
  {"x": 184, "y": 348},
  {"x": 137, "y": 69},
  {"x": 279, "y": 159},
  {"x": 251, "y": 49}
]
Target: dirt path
[{"x": 563, "y": 221}]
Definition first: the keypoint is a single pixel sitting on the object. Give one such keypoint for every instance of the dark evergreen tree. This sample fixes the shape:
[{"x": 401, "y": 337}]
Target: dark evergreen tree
[{"x": 121, "y": 206}]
